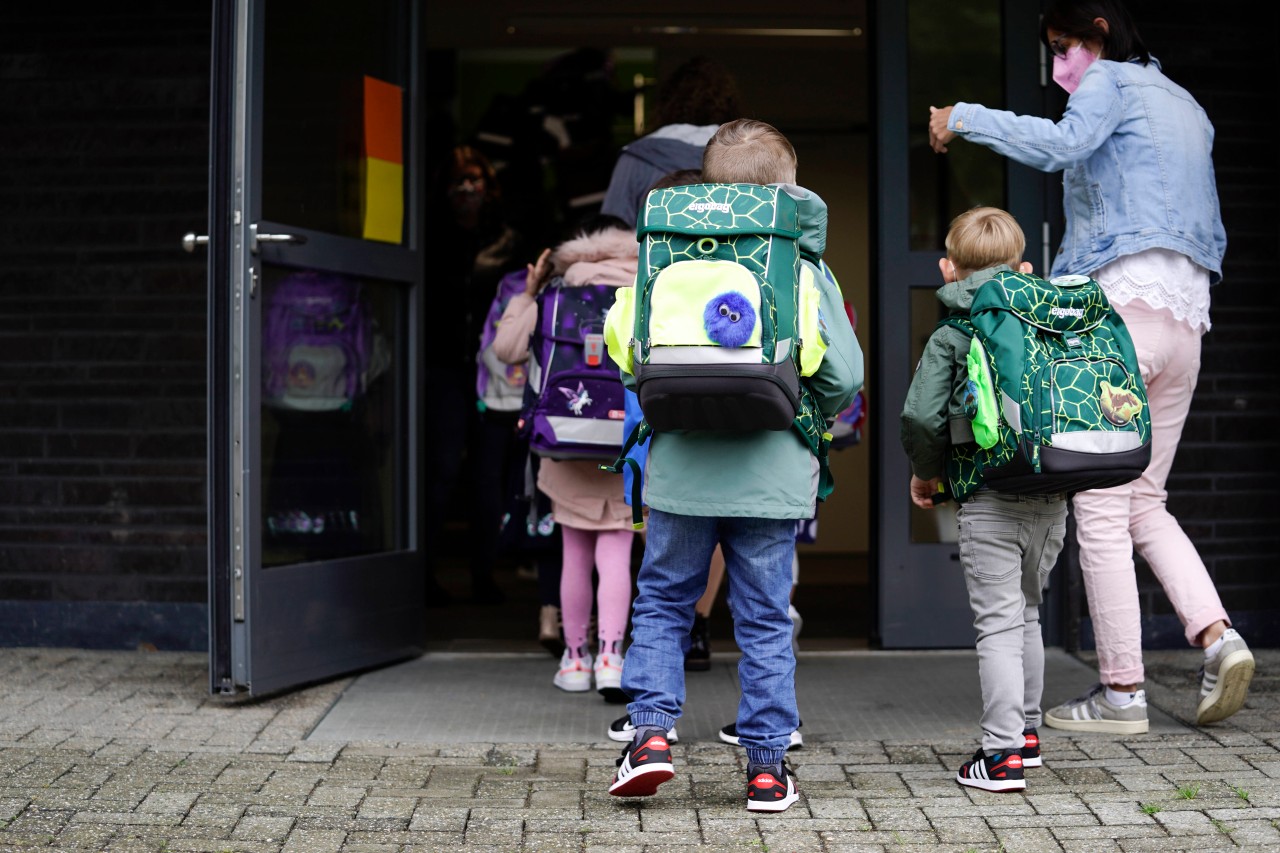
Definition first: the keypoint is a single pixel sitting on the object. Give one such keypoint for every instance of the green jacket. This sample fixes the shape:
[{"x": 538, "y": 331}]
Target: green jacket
[
  {"x": 934, "y": 418},
  {"x": 763, "y": 474}
]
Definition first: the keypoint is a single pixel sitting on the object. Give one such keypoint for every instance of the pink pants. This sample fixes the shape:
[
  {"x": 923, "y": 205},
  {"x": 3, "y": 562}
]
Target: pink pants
[
  {"x": 609, "y": 553},
  {"x": 1112, "y": 523}
]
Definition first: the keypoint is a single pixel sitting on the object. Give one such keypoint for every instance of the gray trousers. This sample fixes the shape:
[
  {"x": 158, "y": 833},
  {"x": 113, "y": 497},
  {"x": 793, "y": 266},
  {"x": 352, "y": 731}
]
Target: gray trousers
[{"x": 1008, "y": 545}]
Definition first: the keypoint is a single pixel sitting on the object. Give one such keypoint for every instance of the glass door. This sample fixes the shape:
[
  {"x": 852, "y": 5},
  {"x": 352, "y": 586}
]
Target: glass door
[
  {"x": 934, "y": 53},
  {"x": 315, "y": 349}
]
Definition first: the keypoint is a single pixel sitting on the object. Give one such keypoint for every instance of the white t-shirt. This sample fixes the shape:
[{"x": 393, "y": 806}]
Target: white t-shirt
[{"x": 1162, "y": 278}]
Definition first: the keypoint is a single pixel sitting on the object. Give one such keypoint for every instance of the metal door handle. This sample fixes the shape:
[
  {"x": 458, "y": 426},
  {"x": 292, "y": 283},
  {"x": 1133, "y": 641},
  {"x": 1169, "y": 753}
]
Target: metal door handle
[
  {"x": 280, "y": 238},
  {"x": 192, "y": 239},
  {"x": 258, "y": 239}
]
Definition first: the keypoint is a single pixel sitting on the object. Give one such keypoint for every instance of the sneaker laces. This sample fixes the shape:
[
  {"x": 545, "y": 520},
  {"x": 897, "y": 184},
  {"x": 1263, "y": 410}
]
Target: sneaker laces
[{"x": 1088, "y": 695}]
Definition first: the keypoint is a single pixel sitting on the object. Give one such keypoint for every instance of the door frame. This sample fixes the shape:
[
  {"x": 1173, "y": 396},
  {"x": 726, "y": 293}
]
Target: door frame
[{"x": 919, "y": 588}]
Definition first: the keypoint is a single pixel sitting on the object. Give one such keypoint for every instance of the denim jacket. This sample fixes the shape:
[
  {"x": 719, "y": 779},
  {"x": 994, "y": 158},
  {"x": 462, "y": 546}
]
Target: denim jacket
[{"x": 1136, "y": 153}]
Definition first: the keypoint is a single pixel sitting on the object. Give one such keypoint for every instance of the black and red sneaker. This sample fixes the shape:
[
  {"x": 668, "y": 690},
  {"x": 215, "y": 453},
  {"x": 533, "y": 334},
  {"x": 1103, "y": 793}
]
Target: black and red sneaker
[
  {"x": 1031, "y": 749},
  {"x": 999, "y": 772},
  {"x": 643, "y": 767},
  {"x": 771, "y": 791}
]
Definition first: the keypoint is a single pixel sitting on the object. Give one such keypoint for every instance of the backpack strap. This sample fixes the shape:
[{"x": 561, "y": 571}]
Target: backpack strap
[
  {"x": 955, "y": 321},
  {"x": 639, "y": 435}
]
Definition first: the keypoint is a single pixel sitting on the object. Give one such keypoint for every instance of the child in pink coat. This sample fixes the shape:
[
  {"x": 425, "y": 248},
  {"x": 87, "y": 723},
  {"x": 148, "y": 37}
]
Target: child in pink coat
[{"x": 586, "y": 502}]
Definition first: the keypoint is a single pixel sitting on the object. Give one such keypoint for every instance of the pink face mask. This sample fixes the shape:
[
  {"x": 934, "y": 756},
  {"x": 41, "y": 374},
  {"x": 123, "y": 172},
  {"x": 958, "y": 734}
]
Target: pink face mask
[{"x": 1067, "y": 70}]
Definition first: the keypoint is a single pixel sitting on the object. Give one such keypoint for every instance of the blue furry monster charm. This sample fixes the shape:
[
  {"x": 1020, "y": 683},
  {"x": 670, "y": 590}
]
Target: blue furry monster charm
[{"x": 729, "y": 319}]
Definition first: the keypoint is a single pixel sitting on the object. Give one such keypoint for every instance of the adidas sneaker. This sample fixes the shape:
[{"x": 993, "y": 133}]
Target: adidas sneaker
[
  {"x": 643, "y": 767},
  {"x": 1000, "y": 772}
]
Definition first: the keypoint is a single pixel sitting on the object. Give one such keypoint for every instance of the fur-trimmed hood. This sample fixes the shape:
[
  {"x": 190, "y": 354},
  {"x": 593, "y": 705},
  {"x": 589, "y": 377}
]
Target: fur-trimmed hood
[{"x": 609, "y": 256}]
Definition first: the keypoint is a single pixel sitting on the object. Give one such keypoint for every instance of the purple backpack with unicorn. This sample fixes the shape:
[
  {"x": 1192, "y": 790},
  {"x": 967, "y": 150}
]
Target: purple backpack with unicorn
[
  {"x": 317, "y": 337},
  {"x": 574, "y": 404}
]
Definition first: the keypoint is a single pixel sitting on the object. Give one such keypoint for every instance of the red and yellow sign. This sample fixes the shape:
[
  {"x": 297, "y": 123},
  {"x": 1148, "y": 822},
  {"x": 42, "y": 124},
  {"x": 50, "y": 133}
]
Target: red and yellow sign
[{"x": 382, "y": 162}]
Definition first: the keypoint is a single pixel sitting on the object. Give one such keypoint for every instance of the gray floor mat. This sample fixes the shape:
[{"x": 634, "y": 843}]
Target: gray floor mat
[{"x": 509, "y": 698}]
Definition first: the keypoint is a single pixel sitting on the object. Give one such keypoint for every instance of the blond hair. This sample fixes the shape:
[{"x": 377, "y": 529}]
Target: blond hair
[
  {"x": 984, "y": 237},
  {"x": 746, "y": 151}
]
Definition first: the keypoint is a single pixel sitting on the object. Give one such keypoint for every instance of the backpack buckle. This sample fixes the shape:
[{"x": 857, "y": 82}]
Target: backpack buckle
[{"x": 593, "y": 349}]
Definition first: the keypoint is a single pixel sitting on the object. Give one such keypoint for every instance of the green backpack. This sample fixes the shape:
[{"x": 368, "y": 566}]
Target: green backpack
[
  {"x": 1054, "y": 391},
  {"x": 716, "y": 315}
]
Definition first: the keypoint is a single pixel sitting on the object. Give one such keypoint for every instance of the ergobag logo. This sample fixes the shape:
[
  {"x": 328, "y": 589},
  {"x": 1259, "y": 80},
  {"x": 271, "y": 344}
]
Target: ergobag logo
[
  {"x": 705, "y": 206},
  {"x": 1056, "y": 311}
]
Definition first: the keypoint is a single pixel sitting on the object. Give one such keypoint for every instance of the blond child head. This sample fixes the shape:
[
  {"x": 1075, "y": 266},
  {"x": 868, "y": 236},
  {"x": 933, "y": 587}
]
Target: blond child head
[
  {"x": 746, "y": 151},
  {"x": 980, "y": 238}
]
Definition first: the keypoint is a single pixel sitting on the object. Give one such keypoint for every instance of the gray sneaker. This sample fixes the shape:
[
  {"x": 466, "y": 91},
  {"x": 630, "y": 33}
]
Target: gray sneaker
[
  {"x": 1093, "y": 713},
  {"x": 1225, "y": 679}
]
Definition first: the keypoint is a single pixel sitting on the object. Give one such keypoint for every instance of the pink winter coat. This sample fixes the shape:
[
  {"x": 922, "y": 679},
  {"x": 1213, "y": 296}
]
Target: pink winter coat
[{"x": 582, "y": 496}]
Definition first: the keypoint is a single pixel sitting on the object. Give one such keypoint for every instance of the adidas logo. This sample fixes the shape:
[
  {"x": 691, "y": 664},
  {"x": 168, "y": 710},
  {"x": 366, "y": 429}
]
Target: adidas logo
[
  {"x": 704, "y": 206},
  {"x": 1056, "y": 311}
]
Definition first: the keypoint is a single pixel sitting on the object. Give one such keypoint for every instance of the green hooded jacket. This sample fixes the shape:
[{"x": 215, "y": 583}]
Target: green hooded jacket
[
  {"x": 934, "y": 417},
  {"x": 766, "y": 473}
]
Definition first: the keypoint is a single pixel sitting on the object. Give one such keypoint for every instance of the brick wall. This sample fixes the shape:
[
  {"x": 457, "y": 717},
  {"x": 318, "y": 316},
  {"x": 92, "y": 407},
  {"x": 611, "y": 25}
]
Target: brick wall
[
  {"x": 1226, "y": 474},
  {"x": 104, "y": 134}
]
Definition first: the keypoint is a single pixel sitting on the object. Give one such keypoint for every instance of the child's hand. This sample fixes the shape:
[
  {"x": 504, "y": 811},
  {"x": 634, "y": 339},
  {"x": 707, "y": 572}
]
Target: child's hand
[
  {"x": 538, "y": 273},
  {"x": 922, "y": 491}
]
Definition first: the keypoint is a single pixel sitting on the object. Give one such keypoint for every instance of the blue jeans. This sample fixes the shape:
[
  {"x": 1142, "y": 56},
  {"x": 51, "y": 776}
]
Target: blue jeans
[{"x": 757, "y": 553}]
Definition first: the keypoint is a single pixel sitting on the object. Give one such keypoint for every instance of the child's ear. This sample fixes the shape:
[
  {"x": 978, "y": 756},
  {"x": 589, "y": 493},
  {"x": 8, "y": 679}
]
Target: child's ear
[
  {"x": 1024, "y": 267},
  {"x": 946, "y": 267}
]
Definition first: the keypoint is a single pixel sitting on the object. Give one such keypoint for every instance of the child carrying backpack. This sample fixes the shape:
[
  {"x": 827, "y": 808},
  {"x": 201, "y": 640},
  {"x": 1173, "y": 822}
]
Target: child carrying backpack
[
  {"x": 552, "y": 320},
  {"x": 1028, "y": 390}
]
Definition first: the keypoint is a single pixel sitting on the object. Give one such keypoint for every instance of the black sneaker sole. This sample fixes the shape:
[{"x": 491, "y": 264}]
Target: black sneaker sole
[
  {"x": 614, "y": 695},
  {"x": 697, "y": 664}
]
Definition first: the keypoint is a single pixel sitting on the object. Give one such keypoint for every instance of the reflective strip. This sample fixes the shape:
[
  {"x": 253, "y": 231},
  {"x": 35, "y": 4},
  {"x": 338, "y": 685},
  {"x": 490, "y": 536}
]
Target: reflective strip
[
  {"x": 705, "y": 355},
  {"x": 1011, "y": 410},
  {"x": 1103, "y": 441},
  {"x": 782, "y": 350},
  {"x": 586, "y": 430}
]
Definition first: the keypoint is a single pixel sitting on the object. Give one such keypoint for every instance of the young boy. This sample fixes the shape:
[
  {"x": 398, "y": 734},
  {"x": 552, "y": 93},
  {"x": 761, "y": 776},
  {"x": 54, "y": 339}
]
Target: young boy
[
  {"x": 1008, "y": 543},
  {"x": 744, "y": 490}
]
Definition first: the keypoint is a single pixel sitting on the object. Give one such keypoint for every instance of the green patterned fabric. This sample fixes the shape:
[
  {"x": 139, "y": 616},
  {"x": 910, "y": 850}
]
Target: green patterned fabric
[
  {"x": 1064, "y": 379},
  {"x": 752, "y": 226}
]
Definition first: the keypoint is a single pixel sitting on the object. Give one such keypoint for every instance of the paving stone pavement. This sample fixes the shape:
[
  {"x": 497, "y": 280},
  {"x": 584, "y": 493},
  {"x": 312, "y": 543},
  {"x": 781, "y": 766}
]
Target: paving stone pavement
[{"x": 126, "y": 751}]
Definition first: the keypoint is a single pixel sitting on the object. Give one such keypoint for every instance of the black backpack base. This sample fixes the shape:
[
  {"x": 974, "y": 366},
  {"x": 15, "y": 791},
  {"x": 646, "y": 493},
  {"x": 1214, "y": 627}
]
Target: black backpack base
[
  {"x": 1068, "y": 471},
  {"x": 698, "y": 397}
]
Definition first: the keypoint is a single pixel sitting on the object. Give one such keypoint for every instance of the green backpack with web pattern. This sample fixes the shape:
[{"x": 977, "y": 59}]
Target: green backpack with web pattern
[{"x": 1054, "y": 391}]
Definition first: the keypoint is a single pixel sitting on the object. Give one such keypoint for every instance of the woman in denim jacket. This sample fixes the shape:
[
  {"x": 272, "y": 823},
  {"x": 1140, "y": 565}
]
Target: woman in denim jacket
[{"x": 1142, "y": 218}]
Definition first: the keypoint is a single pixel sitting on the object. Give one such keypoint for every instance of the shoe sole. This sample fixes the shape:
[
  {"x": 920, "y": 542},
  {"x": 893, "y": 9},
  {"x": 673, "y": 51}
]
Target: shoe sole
[
  {"x": 797, "y": 740},
  {"x": 613, "y": 695},
  {"x": 1114, "y": 727},
  {"x": 776, "y": 806},
  {"x": 996, "y": 787},
  {"x": 696, "y": 665},
  {"x": 1032, "y": 762},
  {"x": 570, "y": 687},
  {"x": 1229, "y": 693},
  {"x": 643, "y": 781}
]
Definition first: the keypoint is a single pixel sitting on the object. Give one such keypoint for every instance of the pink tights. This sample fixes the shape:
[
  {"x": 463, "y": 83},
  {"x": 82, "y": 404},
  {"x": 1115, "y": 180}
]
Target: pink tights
[{"x": 609, "y": 551}]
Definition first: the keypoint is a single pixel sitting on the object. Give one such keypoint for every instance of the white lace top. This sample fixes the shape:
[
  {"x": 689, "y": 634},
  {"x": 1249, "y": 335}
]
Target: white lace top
[{"x": 1161, "y": 278}]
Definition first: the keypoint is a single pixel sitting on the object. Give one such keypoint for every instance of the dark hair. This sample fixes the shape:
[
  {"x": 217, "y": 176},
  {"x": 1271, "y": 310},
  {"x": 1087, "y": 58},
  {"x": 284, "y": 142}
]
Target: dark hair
[
  {"x": 699, "y": 92},
  {"x": 1120, "y": 41},
  {"x": 456, "y": 164},
  {"x": 678, "y": 178},
  {"x": 594, "y": 223}
]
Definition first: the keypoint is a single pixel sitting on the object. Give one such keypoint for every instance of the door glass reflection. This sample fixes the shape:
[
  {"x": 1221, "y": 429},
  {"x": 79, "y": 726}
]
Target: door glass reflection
[
  {"x": 334, "y": 98},
  {"x": 332, "y": 428},
  {"x": 954, "y": 54}
]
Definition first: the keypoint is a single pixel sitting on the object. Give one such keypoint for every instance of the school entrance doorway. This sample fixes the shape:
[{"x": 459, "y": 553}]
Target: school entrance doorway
[{"x": 549, "y": 95}]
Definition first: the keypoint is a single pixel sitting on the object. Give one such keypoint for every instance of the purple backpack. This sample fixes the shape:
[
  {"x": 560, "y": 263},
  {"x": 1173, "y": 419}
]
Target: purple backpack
[
  {"x": 500, "y": 387},
  {"x": 316, "y": 341},
  {"x": 574, "y": 404}
]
